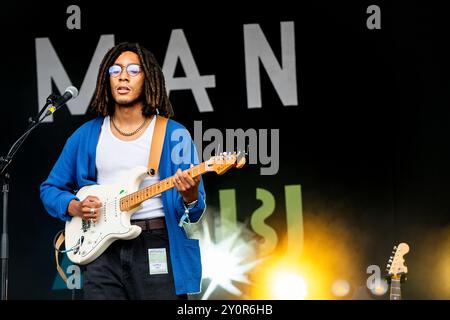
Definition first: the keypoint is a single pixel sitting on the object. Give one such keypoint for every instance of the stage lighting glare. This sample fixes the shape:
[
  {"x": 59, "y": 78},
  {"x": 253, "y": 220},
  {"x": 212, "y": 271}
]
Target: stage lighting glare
[
  {"x": 289, "y": 286},
  {"x": 227, "y": 262},
  {"x": 340, "y": 288},
  {"x": 380, "y": 289}
]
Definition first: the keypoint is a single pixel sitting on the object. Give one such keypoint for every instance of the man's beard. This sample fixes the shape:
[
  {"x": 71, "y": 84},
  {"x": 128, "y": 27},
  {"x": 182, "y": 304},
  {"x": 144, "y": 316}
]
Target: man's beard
[{"x": 129, "y": 104}]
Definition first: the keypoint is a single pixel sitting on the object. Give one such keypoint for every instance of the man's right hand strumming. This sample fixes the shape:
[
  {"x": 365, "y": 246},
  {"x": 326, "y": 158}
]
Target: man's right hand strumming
[{"x": 88, "y": 209}]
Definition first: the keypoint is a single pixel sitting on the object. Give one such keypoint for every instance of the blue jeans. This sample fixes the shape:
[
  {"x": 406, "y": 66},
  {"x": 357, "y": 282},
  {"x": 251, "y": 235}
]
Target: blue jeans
[{"x": 122, "y": 271}]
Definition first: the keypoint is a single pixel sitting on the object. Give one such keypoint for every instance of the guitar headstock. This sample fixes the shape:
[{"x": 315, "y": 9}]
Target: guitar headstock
[
  {"x": 396, "y": 266},
  {"x": 225, "y": 161}
]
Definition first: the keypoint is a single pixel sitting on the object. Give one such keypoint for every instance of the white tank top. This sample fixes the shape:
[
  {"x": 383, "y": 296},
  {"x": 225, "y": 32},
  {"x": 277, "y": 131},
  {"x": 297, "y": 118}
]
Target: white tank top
[{"x": 115, "y": 157}]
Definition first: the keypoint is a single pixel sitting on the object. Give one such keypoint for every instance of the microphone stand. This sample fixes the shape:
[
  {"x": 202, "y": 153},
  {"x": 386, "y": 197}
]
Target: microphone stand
[{"x": 5, "y": 161}]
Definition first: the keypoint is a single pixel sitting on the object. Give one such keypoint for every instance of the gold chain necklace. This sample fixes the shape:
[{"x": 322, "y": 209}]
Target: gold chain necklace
[{"x": 128, "y": 134}]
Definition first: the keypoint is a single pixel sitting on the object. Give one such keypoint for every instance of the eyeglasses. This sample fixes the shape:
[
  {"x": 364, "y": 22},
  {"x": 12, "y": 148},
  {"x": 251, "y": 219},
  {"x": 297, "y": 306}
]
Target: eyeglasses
[{"x": 132, "y": 69}]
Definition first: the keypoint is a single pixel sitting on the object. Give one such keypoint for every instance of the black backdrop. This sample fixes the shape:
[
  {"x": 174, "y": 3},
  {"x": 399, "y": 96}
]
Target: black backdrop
[{"x": 367, "y": 141}]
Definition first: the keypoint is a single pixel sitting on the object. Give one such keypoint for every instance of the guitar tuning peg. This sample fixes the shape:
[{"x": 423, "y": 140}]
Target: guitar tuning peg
[
  {"x": 388, "y": 265},
  {"x": 395, "y": 247}
]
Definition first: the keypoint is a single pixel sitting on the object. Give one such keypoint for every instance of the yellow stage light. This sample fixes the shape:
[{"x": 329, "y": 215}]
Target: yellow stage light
[
  {"x": 380, "y": 288},
  {"x": 289, "y": 286},
  {"x": 340, "y": 288}
]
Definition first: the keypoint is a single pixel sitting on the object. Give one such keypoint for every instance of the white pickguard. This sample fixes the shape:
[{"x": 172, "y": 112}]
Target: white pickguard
[{"x": 88, "y": 239}]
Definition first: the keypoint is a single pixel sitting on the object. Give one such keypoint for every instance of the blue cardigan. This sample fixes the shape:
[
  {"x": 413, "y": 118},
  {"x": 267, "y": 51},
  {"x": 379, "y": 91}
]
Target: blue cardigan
[{"x": 75, "y": 168}]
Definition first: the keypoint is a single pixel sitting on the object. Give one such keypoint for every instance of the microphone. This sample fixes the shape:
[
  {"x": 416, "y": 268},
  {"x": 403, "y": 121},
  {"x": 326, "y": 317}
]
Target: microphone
[{"x": 71, "y": 92}]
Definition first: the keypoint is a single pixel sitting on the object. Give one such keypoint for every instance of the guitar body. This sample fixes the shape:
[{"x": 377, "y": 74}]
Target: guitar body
[{"x": 87, "y": 239}]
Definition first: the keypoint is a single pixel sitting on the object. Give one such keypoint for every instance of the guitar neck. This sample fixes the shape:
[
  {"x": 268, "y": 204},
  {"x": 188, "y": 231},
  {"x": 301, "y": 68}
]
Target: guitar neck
[
  {"x": 395, "y": 293},
  {"x": 134, "y": 199}
]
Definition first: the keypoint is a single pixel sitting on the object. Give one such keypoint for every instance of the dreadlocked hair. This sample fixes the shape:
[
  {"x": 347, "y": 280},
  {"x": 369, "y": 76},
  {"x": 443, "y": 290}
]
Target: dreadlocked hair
[{"x": 154, "y": 93}]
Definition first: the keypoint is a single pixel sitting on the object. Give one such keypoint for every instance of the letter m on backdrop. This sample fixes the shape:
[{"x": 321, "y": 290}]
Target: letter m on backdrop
[{"x": 50, "y": 68}]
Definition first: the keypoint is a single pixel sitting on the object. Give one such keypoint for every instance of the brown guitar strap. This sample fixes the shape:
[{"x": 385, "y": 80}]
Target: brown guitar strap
[
  {"x": 153, "y": 164},
  {"x": 58, "y": 244},
  {"x": 157, "y": 144}
]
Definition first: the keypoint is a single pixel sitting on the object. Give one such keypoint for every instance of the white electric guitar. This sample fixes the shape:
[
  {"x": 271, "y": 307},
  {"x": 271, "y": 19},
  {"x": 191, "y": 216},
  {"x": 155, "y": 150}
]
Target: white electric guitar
[{"x": 86, "y": 239}]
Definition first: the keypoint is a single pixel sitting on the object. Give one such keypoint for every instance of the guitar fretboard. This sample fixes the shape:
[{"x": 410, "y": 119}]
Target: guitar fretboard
[
  {"x": 395, "y": 293},
  {"x": 136, "y": 198}
]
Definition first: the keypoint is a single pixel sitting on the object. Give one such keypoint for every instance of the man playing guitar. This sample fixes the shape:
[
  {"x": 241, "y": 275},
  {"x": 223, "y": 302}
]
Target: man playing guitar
[{"x": 162, "y": 262}]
